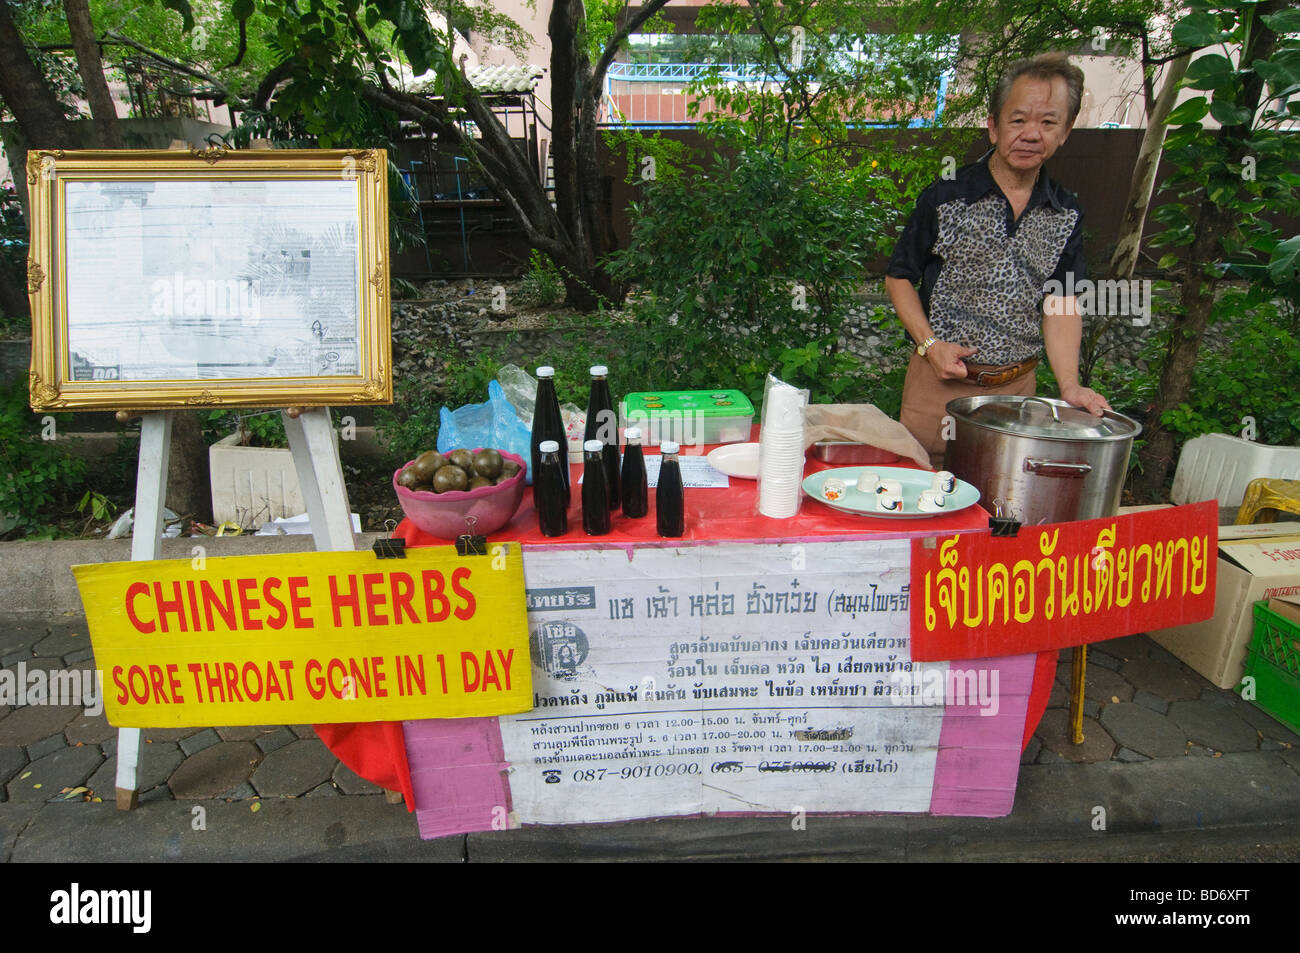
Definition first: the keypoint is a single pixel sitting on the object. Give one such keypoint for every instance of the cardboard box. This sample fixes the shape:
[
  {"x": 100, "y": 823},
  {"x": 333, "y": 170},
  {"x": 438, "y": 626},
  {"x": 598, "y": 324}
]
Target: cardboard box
[
  {"x": 1287, "y": 607},
  {"x": 1252, "y": 566}
]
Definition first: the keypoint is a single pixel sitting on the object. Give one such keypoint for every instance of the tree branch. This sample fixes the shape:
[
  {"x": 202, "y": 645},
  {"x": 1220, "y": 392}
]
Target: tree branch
[
  {"x": 619, "y": 38},
  {"x": 381, "y": 68},
  {"x": 235, "y": 101},
  {"x": 266, "y": 88},
  {"x": 243, "y": 45}
]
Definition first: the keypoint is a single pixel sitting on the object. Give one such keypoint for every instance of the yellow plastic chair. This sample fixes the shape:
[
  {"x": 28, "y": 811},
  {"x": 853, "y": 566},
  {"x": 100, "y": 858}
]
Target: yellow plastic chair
[{"x": 1267, "y": 496}]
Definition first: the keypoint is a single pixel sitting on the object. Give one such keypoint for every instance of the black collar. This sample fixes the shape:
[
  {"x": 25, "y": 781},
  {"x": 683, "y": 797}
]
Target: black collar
[{"x": 981, "y": 183}]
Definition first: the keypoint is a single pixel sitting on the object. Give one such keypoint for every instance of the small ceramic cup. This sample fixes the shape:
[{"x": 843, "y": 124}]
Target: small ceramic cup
[
  {"x": 932, "y": 501},
  {"x": 890, "y": 498},
  {"x": 944, "y": 481},
  {"x": 833, "y": 489},
  {"x": 868, "y": 483}
]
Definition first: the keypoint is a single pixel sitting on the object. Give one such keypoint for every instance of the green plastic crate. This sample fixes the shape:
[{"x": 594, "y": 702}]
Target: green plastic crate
[
  {"x": 690, "y": 417},
  {"x": 1273, "y": 659}
]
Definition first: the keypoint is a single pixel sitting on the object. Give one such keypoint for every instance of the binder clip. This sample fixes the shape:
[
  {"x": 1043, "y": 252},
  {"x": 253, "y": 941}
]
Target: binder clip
[
  {"x": 471, "y": 544},
  {"x": 388, "y": 547},
  {"x": 1003, "y": 522}
]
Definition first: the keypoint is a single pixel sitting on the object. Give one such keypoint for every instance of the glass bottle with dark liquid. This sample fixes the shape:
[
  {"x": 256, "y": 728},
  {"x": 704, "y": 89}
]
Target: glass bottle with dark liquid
[
  {"x": 548, "y": 424},
  {"x": 602, "y": 425},
  {"x": 635, "y": 491},
  {"x": 668, "y": 497},
  {"x": 595, "y": 490},
  {"x": 548, "y": 492}
]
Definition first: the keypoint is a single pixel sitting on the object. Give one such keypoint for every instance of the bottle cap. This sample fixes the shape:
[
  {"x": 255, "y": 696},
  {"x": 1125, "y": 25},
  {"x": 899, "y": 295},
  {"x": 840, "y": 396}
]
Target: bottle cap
[
  {"x": 599, "y": 370},
  {"x": 549, "y": 446},
  {"x": 669, "y": 446},
  {"x": 593, "y": 446},
  {"x": 632, "y": 433},
  {"x": 546, "y": 371}
]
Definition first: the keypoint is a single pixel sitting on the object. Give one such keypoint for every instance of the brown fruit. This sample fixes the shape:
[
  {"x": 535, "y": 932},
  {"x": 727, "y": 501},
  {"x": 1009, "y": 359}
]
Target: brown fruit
[
  {"x": 449, "y": 477},
  {"x": 479, "y": 481},
  {"x": 509, "y": 468},
  {"x": 463, "y": 459},
  {"x": 487, "y": 463},
  {"x": 408, "y": 478},
  {"x": 427, "y": 464}
]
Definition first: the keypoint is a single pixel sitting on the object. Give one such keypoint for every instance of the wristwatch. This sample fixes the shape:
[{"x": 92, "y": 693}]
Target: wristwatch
[{"x": 925, "y": 345}]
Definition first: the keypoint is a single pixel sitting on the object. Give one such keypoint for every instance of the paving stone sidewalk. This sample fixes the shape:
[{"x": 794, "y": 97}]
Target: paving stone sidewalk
[
  {"x": 1142, "y": 704},
  {"x": 56, "y": 752}
]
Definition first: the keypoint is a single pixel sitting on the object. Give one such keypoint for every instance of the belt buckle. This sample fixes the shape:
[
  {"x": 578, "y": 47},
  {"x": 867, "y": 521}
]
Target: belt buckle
[{"x": 980, "y": 378}]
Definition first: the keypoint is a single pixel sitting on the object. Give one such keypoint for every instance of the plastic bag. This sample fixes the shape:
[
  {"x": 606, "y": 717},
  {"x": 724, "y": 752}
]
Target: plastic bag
[
  {"x": 493, "y": 424},
  {"x": 520, "y": 389}
]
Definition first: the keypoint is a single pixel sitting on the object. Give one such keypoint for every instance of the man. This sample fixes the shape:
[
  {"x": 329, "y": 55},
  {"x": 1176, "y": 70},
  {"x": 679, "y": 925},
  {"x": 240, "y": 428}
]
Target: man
[{"x": 983, "y": 246}]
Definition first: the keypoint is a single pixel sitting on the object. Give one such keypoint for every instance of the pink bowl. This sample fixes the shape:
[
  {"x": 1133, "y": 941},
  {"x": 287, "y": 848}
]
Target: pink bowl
[{"x": 444, "y": 514}]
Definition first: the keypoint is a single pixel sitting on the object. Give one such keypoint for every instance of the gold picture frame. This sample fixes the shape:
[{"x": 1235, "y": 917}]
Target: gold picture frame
[{"x": 209, "y": 277}]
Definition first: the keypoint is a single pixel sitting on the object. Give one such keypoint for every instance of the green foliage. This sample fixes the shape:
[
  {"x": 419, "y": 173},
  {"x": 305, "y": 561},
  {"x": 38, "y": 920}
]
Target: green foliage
[
  {"x": 410, "y": 426},
  {"x": 669, "y": 157},
  {"x": 542, "y": 285},
  {"x": 403, "y": 290},
  {"x": 38, "y": 479},
  {"x": 1251, "y": 374},
  {"x": 256, "y": 428},
  {"x": 759, "y": 252},
  {"x": 96, "y": 506},
  {"x": 602, "y": 23},
  {"x": 1243, "y": 169}
]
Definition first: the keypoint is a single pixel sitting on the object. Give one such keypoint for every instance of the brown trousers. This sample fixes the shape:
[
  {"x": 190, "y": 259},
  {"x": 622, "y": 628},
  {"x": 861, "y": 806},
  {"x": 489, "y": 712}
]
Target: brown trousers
[{"x": 925, "y": 401}]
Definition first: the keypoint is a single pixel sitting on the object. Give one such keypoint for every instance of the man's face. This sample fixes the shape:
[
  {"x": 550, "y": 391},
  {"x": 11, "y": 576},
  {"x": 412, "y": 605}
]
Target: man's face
[{"x": 1033, "y": 124}]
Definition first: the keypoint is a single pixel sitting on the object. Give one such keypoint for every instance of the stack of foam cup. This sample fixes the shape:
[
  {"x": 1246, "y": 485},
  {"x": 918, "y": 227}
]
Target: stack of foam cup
[{"x": 780, "y": 452}]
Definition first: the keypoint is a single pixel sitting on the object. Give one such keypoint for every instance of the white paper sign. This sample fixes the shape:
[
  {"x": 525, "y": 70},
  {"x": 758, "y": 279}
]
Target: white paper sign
[{"x": 730, "y": 678}]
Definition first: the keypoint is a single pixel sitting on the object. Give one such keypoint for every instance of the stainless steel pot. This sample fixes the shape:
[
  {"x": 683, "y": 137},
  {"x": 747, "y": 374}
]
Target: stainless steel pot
[{"x": 1048, "y": 462}]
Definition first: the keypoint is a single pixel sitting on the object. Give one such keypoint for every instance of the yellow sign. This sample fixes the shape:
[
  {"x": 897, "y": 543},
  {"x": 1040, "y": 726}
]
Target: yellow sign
[{"x": 310, "y": 637}]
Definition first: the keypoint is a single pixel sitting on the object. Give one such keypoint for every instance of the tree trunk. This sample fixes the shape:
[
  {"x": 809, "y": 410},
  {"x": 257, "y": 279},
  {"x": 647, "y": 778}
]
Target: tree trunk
[
  {"x": 91, "y": 69},
  {"x": 13, "y": 293},
  {"x": 1143, "y": 181},
  {"x": 189, "y": 486},
  {"x": 22, "y": 87}
]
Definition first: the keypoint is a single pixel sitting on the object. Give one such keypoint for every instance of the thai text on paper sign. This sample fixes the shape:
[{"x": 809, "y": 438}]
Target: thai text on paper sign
[{"x": 976, "y": 595}]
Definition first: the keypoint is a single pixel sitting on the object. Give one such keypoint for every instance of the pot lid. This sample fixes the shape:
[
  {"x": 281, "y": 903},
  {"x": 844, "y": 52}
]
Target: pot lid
[{"x": 1043, "y": 417}]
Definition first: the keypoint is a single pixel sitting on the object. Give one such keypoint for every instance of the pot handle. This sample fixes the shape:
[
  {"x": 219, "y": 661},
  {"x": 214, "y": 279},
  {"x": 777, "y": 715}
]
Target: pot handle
[
  {"x": 1056, "y": 468},
  {"x": 1056, "y": 415}
]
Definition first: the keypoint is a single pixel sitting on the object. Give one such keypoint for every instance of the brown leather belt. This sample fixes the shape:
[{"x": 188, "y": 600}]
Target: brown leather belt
[{"x": 995, "y": 375}]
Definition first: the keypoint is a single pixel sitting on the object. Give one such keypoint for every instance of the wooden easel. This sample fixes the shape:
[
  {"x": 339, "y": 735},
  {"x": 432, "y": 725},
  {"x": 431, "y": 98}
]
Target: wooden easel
[{"x": 320, "y": 475}]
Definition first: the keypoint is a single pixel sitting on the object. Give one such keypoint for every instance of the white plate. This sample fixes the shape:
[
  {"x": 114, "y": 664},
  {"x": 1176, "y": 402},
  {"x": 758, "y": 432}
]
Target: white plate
[
  {"x": 736, "y": 459},
  {"x": 864, "y": 504}
]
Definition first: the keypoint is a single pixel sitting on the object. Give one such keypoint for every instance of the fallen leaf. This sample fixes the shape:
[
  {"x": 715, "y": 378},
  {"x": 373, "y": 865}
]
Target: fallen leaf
[
  {"x": 1115, "y": 699},
  {"x": 34, "y": 786},
  {"x": 26, "y": 775},
  {"x": 97, "y": 800},
  {"x": 80, "y": 743},
  {"x": 255, "y": 806}
]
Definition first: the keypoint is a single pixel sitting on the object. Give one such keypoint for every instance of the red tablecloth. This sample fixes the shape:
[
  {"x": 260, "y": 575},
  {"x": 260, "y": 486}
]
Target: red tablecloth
[{"x": 376, "y": 751}]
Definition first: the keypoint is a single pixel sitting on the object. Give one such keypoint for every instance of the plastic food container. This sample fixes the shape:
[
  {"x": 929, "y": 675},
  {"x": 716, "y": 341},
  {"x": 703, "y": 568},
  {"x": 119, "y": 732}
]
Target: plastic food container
[
  {"x": 444, "y": 514},
  {"x": 844, "y": 453},
  {"x": 689, "y": 417}
]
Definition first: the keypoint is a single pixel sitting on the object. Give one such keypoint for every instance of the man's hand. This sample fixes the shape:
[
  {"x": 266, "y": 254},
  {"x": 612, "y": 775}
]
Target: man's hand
[
  {"x": 947, "y": 359},
  {"x": 1085, "y": 397}
]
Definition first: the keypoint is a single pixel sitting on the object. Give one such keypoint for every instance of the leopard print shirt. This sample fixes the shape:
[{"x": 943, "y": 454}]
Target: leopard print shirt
[{"x": 982, "y": 274}]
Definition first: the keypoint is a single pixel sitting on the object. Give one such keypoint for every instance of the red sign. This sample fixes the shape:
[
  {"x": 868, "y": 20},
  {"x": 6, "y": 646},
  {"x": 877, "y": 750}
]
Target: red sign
[{"x": 975, "y": 595}]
